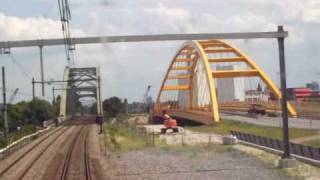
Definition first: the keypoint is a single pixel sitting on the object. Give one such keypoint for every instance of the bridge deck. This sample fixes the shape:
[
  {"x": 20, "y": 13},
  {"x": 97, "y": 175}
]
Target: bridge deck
[{"x": 198, "y": 116}]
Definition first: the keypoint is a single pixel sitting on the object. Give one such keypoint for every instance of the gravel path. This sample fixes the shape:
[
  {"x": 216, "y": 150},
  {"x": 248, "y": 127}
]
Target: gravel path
[{"x": 217, "y": 163}]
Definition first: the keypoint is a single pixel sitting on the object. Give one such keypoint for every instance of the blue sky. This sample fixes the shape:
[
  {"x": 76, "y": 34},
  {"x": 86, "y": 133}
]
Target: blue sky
[{"x": 128, "y": 68}]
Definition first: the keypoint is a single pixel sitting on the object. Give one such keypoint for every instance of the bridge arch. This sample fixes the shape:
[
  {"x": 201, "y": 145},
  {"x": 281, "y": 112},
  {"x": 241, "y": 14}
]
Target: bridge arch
[{"x": 189, "y": 88}]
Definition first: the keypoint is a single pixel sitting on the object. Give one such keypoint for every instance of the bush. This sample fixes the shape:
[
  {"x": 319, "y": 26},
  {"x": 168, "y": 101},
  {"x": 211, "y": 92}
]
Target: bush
[
  {"x": 122, "y": 118},
  {"x": 24, "y": 131},
  {"x": 2, "y": 142},
  {"x": 38, "y": 111}
]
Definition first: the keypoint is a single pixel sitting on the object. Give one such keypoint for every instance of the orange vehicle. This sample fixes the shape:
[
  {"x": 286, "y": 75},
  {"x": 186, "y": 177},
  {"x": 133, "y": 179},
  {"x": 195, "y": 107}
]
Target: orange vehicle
[{"x": 168, "y": 123}]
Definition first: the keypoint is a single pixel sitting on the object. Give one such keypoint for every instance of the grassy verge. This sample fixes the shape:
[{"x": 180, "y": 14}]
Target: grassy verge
[
  {"x": 308, "y": 106},
  {"x": 24, "y": 131},
  {"x": 225, "y": 126},
  {"x": 302, "y": 171},
  {"x": 122, "y": 138},
  {"x": 315, "y": 143}
]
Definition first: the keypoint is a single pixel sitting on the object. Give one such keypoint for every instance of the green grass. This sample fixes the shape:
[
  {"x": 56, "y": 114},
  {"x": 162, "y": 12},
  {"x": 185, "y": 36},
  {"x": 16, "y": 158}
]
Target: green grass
[
  {"x": 225, "y": 126},
  {"x": 14, "y": 136},
  {"x": 308, "y": 106},
  {"x": 122, "y": 138},
  {"x": 315, "y": 143}
]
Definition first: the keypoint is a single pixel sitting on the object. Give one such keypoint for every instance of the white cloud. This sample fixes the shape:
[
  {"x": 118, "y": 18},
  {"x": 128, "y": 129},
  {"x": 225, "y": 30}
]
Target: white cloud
[
  {"x": 127, "y": 65},
  {"x": 15, "y": 28},
  {"x": 179, "y": 19},
  {"x": 312, "y": 15}
]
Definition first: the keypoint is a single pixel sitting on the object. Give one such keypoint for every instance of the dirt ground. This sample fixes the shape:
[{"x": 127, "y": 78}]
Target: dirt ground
[{"x": 138, "y": 119}]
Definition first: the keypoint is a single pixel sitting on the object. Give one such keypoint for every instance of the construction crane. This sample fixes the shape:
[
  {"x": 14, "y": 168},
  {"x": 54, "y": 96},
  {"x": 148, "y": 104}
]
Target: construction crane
[
  {"x": 146, "y": 95},
  {"x": 11, "y": 99},
  {"x": 144, "y": 106}
]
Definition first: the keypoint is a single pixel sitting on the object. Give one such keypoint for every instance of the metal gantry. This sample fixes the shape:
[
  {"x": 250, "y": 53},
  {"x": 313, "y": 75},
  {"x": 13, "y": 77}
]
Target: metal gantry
[{"x": 142, "y": 38}]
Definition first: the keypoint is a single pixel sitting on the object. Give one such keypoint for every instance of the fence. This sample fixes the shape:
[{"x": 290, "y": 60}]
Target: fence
[
  {"x": 296, "y": 149},
  {"x": 16, "y": 145},
  {"x": 140, "y": 131}
]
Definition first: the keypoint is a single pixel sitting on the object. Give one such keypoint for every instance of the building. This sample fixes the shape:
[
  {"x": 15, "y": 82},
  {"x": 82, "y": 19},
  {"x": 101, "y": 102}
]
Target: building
[
  {"x": 313, "y": 85},
  {"x": 254, "y": 96},
  {"x": 230, "y": 89},
  {"x": 303, "y": 94}
]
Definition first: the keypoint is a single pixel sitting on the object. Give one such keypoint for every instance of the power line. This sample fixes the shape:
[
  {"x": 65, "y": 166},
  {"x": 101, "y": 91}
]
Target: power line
[
  {"x": 20, "y": 67},
  {"x": 20, "y": 93}
]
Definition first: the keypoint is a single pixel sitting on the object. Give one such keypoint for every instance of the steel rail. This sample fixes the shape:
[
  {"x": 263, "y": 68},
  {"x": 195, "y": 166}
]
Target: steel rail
[
  {"x": 25, "y": 153},
  {"x": 68, "y": 156},
  {"x": 87, "y": 158},
  {"x": 142, "y": 38},
  {"x": 26, "y": 170}
]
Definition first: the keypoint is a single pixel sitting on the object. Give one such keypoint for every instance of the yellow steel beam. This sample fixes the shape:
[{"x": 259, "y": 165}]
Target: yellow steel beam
[
  {"x": 186, "y": 53},
  {"x": 213, "y": 95},
  {"x": 232, "y": 59},
  {"x": 183, "y": 76},
  {"x": 184, "y": 60},
  {"x": 208, "y": 41},
  {"x": 205, "y": 45},
  {"x": 157, "y": 106},
  {"x": 175, "y": 88},
  {"x": 218, "y": 50},
  {"x": 63, "y": 102},
  {"x": 235, "y": 73},
  {"x": 182, "y": 68},
  {"x": 264, "y": 77}
]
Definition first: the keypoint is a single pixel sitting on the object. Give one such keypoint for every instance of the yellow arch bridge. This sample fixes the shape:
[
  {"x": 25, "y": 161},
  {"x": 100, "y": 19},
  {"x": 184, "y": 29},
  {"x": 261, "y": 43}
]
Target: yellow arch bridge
[{"x": 208, "y": 77}]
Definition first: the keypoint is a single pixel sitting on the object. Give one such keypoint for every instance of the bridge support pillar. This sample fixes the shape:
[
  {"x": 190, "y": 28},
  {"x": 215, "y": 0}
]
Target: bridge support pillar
[{"x": 287, "y": 163}]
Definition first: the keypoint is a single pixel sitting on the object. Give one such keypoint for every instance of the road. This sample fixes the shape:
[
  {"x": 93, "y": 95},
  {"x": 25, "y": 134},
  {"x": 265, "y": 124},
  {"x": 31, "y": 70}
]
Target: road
[{"x": 273, "y": 121}]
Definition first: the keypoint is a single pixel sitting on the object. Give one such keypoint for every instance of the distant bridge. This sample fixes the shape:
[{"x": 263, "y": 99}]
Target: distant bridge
[{"x": 80, "y": 83}]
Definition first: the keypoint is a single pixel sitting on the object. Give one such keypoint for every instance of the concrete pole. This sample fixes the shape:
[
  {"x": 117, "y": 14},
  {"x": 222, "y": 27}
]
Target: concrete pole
[
  {"x": 100, "y": 115},
  {"x": 33, "y": 92},
  {"x": 42, "y": 71},
  {"x": 285, "y": 126},
  {"x": 99, "y": 101},
  {"x": 5, "y": 115},
  {"x": 53, "y": 97}
]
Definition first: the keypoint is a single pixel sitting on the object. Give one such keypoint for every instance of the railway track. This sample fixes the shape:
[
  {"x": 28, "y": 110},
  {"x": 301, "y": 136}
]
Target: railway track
[
  {"x": 35, "y": 160},
  {"x": 87, "y": 160},
  {"x": 7, "y": 168},
  {"x": 81, "y": 139}
]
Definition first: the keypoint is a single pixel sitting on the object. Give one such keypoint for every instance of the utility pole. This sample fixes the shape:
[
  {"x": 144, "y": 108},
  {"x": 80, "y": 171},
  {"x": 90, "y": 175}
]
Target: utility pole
[
  {"x": 53, "y": 96},
  {"x": 100, "y": 115},
  {"x": 5, "y": 116},
  {"x": 33, "y": 92},
  {"x": 41, "y": 69},
  {"x": 285, "y": 126}
]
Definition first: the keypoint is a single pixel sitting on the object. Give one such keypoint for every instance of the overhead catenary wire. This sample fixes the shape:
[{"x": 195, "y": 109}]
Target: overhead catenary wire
[{"x": 27, "y": 75}]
